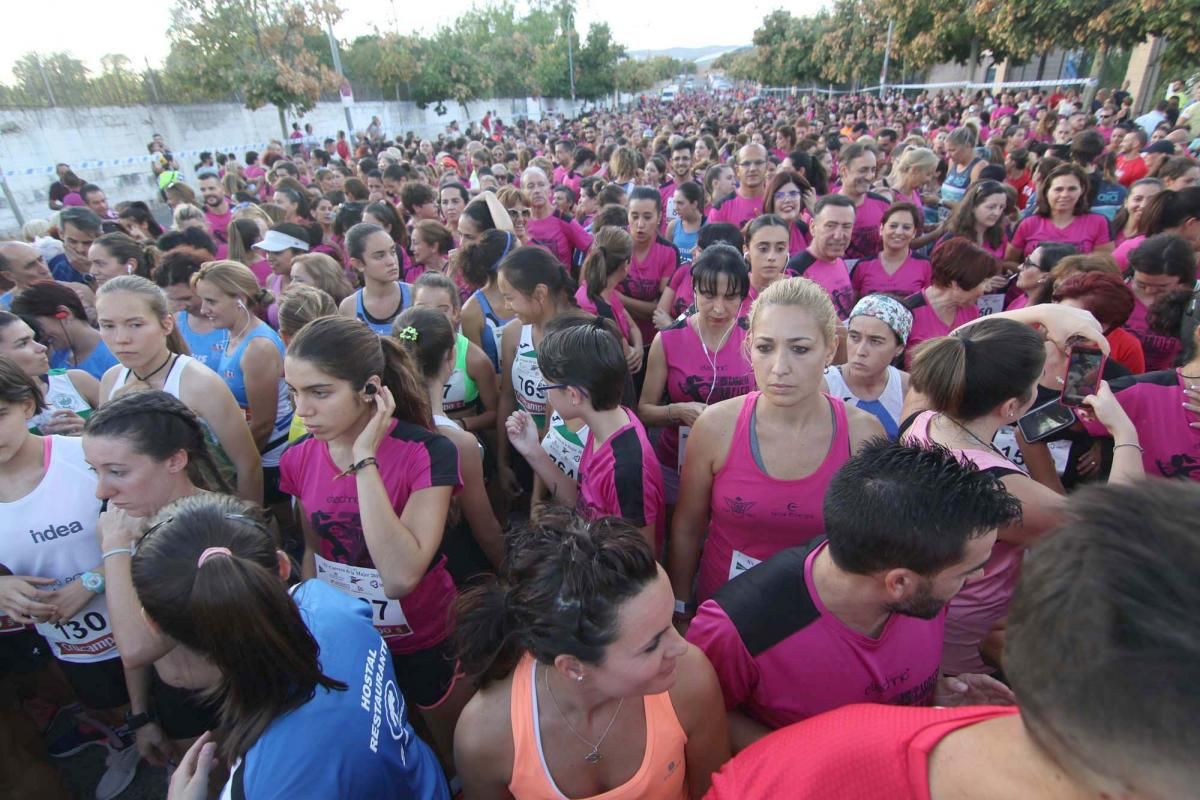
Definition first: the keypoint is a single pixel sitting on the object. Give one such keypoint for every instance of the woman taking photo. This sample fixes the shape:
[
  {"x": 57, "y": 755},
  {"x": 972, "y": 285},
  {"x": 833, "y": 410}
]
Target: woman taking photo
[
  {"x": 252, "y": 364},
  {"x": 372, "y": 485},
  {"x": 1061, "y": 216},
  {"x": 69, "y": 394},
  {"x": 305, "y": 689},
  {"x": 578, "y": 623},
  {"x": 969, "y": 384},
  {"x": 699, "y": 361},
  {"x": 373, "y": 254},
  {"x": 536, "y": 289},
  {"x": 63, "y": 324},
  {"x": 757, "y": 466},
  {"x": 877, "y": 332},
  {"x": 429, "y": 338},
  {"x": 960, "y": 271},
  {"x": 133, "y": 316},
  {"x": 895, "y": 271}
]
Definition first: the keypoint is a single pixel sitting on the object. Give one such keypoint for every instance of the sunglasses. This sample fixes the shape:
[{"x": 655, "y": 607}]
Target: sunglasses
[{"x": 241, "y": 517}]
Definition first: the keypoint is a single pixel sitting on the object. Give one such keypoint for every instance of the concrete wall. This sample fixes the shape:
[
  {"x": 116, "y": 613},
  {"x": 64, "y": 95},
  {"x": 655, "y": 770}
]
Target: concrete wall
[{"x": 107, "y": 146}]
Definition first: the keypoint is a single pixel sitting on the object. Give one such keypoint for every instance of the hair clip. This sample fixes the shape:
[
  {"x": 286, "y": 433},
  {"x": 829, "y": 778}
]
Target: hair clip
[{"x": 409, "y": 334}]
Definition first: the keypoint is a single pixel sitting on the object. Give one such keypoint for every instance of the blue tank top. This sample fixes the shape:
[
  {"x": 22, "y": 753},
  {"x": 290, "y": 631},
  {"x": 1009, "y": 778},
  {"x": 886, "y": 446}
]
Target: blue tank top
[
  {"x": 956, "y": 183},
  {"x": 230, "y": 370},
  {"x": 207, "y": 348},
  {"x": 382, "y": 326},
  {"x": 492, "y": 324},
  {"x": 686, "y": 242}
]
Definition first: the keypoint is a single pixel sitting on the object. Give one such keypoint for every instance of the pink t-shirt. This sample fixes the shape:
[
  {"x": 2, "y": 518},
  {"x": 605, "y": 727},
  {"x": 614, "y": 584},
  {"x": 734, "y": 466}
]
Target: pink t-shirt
[
  {"x": 560, "y": 236},
  {"x": 644, "y": 279},
  {"x": 833, "y": 277},
  {"x": 619, "y": 477},
  {"x": 798, "y": 238},
  {"x": 1086, "y": 232},
  {"x": 927, "y": 324},
  {"x": 870, "y": 277},
  {"x": 783, "y": 657},
  {"x": 685, "y": 294},
  {"x": 736, "y": 209},
  {"x": 410, "y": 458},
  {"x": 613, "y": 308},
  {"x": 983, "y": 602},
  {"x": 1121, "y": 251},
  {"x": 1154, "y": 402},
  {"x": 262, "y": 271},
  {"x": 1160, "y": 350},
  {"x": 752, "y": 516},
  {"x": 219, "y": 223},
  {"x": 868, "y": 216},
  {"x": 698, "y": 375}
]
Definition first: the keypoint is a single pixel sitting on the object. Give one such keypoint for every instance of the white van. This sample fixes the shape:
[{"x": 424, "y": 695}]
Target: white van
[{"x": 669, "y": 92}]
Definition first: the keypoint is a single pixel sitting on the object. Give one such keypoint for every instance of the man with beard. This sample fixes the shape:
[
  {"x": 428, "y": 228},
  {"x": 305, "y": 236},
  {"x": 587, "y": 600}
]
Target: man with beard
[
  {"x": 858, "y": 614},
  {"x": 216, "y": 205}
]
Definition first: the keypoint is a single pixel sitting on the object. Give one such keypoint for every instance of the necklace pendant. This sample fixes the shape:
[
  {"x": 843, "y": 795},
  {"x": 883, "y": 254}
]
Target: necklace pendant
[{"x": 593, "y": 757}]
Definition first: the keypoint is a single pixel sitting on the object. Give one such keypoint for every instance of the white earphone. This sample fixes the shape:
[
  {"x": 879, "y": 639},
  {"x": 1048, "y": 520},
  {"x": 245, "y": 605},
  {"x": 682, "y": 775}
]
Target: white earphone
[{"x": 241, "y": 305}]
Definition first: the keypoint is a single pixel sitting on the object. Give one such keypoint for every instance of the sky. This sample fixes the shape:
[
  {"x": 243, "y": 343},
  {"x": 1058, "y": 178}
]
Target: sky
[{"x": 88, "y": 29}]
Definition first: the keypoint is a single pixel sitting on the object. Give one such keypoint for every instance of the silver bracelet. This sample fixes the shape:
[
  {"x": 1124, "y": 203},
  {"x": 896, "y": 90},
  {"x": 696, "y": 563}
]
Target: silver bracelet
[
  {"x": 1141, "y": 449},
  {"x": 116, "y": 550}
]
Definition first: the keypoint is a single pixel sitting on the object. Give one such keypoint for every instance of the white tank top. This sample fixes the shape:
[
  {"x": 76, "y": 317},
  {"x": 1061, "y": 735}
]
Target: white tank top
[
  {"x": 892, "y": 398},
  {"x": 60, "y": 394},
  {"x": 170, "y": 383},
  {"x": 51, "y": 533},
  {"x": 564, "y": 446},
  {"x": 527, "y": 377}
]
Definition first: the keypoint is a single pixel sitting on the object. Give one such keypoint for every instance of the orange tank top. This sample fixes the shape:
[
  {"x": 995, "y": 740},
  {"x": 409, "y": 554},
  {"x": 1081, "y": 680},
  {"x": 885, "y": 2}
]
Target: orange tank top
[{"x": 660, "y": 777}]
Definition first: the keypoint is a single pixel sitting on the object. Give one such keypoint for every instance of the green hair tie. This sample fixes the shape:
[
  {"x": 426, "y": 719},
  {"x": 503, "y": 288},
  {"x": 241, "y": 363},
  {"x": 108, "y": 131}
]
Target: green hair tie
[{"x": 409, "y": 334}]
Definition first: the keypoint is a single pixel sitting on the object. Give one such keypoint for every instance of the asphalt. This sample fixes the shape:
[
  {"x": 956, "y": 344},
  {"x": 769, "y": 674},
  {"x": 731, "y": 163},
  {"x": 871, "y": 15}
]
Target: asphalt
[{"x": 82, "y": 772}]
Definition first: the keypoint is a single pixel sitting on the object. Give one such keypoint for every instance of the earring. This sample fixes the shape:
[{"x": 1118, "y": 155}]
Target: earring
[{"x": 579, "y": 679}]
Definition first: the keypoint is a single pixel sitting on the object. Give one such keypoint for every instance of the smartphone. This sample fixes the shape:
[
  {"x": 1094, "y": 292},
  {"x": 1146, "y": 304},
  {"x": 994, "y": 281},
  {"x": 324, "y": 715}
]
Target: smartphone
[
  {"x": 1045, "y": 420},
  {"x": 1085, "y": 366}
]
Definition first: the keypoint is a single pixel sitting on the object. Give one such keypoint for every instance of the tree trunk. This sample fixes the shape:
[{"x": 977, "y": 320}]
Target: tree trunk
[
  {"x": 1089, "y": 91},
  {"x": 283, "y": 124},
  {"x": 973, "y": 61}
]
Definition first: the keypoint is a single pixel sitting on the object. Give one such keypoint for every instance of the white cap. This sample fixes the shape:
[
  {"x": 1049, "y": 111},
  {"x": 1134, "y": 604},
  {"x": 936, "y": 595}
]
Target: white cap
[{"x": 275, "y": 241}]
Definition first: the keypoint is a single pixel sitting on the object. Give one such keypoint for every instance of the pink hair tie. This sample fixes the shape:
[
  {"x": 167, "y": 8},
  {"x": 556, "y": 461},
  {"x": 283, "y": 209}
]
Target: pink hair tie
[{"x": 210, "y": 552}]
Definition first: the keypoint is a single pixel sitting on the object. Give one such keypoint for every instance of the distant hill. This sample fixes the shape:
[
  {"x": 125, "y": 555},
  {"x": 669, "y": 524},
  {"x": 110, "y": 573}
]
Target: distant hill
[{"x": 707, "y": 53}]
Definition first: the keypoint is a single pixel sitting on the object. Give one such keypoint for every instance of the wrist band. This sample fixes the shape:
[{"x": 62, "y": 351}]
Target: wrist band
[
  {"x": 670, "y": 413},
  {"x": 1141, "y": 449},
  {"x": 354, "y": 468},
  {"x": 114, "y": 551}
]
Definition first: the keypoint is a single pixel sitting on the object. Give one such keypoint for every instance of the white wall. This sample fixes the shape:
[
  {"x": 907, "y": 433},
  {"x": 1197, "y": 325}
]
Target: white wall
[{"x": 107, "y": 146}]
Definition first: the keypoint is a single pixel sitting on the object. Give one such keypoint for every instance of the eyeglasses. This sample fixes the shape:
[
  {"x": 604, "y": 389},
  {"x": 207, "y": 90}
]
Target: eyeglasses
[
  {"x": 242, "y": 517},
  {"x": 792, "y": 195},
  {"x": 543, "y": 387}
]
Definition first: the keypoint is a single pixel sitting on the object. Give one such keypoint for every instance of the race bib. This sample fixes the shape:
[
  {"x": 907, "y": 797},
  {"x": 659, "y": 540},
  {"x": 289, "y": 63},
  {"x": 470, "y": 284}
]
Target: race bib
[
  {"x": 684, "y": 432},
  {"x": 365, "y": 584},
  {"x": 740, "y": 562},
  {"x": 1006, "y": 443},
  {"x": 990, "y": 304},
  {"x": 85, "y": 637}
]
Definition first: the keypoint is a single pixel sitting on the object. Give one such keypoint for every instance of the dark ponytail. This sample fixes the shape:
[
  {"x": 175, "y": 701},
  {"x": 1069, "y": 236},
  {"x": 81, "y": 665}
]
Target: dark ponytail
[
  {"x": 1169, "y": 209},
  {"x": 559, "y": 593},
  {"x": 968, "y": 373},
  {"x": 158, "y": 425},
  {"x": 233, "y": 609},
  {"x": 125, "y": 248},
  {"x": 349, "y": 350},
  {"x": 525, "y": 268},
  {"x": 611, "y": 249},
  {"x": 478, "y": 261}
]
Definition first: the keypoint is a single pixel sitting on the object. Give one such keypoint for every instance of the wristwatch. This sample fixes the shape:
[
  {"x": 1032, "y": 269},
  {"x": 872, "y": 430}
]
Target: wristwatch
[
  {"x": 93, "y": 582},
  {"x": 135, "y": 721}
]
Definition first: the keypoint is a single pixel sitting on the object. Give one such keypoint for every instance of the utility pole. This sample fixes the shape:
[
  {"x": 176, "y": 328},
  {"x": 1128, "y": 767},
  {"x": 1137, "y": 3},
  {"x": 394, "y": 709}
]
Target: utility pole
[
  {"x": 887, "y": 55},
  {"x": 337, "y": 66},
  {"x": 569, "y": 24},
  {"x": 45, "y": 80}
]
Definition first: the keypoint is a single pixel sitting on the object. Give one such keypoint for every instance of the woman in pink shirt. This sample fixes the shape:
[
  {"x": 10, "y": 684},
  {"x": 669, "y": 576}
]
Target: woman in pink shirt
[
  {"x": 1061, "y": 216},
  {"x": 1127, "y": 222},
  {"x": 654, "y": 260},
  {"x": 895, "y": 271},
  {"x": 1159, "y": 265},
  {"x": 1166, "y": 212},
  {"x": 968, "y": 385},
  {"x": 698, "y": 361},
  {"x": 606, "y": 265},
  {"x": 787, "y": 197},
  {"x": 756, "y": 468},
  {"x": 373, "y": 485},
  {"x": 960, "y": 271},
  {"x": 979, "y": 217},
  {"x": 548, "y": 228}
]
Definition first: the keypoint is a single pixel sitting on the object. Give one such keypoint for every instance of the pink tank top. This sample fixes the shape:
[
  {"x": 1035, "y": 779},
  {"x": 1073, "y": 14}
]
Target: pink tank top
[
  {"x": 753, "y": 515},
  {"x": 983, "y": 602}
]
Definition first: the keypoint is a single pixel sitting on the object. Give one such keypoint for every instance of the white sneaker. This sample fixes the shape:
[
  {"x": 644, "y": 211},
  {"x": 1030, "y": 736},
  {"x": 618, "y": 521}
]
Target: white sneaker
[{"x": 120, "y": 769}]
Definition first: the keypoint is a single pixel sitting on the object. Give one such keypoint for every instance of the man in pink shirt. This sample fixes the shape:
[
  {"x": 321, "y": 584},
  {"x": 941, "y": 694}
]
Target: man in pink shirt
[
  {"x": 858, "y": 616},
  {"x": 216, "y": 205},
  {"x": 832, "y": 229},
  {"x": 747, "y": 202}
]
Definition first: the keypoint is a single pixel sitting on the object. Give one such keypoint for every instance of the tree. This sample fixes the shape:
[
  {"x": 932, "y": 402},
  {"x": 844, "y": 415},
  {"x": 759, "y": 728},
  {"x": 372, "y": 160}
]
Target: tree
[
  {"x": 853, "y": 43},
  {"x": 596, "y": 63},
  {"x": 929, "y": 32},
  {"x": 256, "y": 48},
  {"x": 61, "y": 75}
]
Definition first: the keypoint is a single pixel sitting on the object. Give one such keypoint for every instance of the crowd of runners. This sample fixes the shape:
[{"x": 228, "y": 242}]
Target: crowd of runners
[{"x": 853, "y": 441}]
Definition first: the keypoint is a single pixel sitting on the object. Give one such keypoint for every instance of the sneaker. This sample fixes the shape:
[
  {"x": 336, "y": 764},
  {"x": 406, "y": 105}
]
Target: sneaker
[
  {"x": 120, "y": 768},
  {"x": 79, "y": 736}
]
